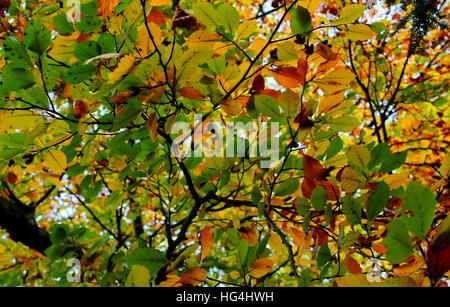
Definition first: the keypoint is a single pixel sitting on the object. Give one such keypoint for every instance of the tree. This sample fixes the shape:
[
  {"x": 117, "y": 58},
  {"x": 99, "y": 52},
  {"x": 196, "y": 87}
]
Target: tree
[{"x": 291, "y": 143}]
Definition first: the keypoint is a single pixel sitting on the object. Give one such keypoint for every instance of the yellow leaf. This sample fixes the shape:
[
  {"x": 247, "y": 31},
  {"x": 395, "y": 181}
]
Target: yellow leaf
[
  {"x": 189, "y": 61},
  {"x": 350, "y": 13},
  {"x": 350, "y": 180},
  {"x": 138, "y": 277},
  {"x": 361, "y": 280},
  {"x": 310, "y": 5},
  {"x": 335, "y": 81},
  {"x": 63, "y": 47},
  {"x": 132, "y": 11},
  {"x": 445, "y": 166},
  {"x": 299, "y": 238},
  {"x": 144, "y": 43},
  {"x": 408, "y": 269},
  {"x": 330, "y": 102},
  {"x": 245, "y": 29},
  {"x": 260, "y": 267},
  {"x": 275, "y": 242},
  {"x": 115, "y": 24},
  {"x": 396, "y": 180},
  {"x": 358, "y": 155},
  {"x": 171, "y": 281},
  {"x": 56, "y": 160},
  {"x": 124, "y": 67},
  {"x": 358, "y": 32}
]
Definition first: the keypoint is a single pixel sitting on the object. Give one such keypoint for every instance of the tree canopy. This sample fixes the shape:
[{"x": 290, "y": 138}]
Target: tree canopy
[{"x": 230, "y": 142}]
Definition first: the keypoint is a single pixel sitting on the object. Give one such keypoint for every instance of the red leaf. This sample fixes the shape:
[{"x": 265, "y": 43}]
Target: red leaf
[
  {"x": 156, "y": 16},
  {"x": 183, "y": 19},
  {"x": 258, "y": 84},
  {"x": 81, "y": 109},
  {"x": 312, "y": 168},
  {"x": 287, "y": 77},
  {"x": 190, "y": 93},
  {"x": 438, "y": 255},
  {"x": 353, "y": 266}
]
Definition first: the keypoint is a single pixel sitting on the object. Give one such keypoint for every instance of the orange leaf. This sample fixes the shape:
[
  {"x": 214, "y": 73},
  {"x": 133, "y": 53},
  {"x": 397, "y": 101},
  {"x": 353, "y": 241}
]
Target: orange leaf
[
  {"x": 106, "y": 7},
  {"x": 206, "y": 239},
  {"x": 152, "y": 126},
  {"x": 353, "y": 266},
  {"x": 260, "y": 267},
  {"x": 326, "y": 52},
  {"x": 302, "y": 70},
  {"x": 287, "y": 77},
  {"x": 81, "y": 109},
  {"x": 193, "y": 277},
  {"x": 190, "y": 93},
  {"x": 156, "y": 16}
]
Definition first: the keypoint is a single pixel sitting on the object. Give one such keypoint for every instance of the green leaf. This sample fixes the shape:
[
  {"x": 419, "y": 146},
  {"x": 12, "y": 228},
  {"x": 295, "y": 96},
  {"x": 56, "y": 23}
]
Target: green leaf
[
  {"x": 378, "y": 154},
  {"x": 86, "y": 50},
  {"x": 217, "y": 65},
  {"x": 393, "y": 161},
  {"x": 123, "y": 119},
  {"x": 335, "y": 147},
  {"x": 352, "y": 210},
  {"x": 139, "y": 277},
  {"x": 287, "y": 187},
  {"x": 59, "y": 233},
  {"x": 323, "y": 256},
  {"x": 228, "y": 17},
  {"x": 79, "y": 72},
  {"x": 35, "y": 95},
  {"x": 422, "y": 203},
  {"x": 319, "y": 198},
  {"x": 377, "y": 27},
  {"x": 89, "y": 24},
  {"x": 358, "y": 155},
  {"x": 267, "y": 106},
  {"x": 62, "y": 24},
  {"x": 397, "y": 241},
  {"x": 350, "y": 13},
  {"x": 17, "y": 78},
  {"x": 152, "y": 259},
  {"x": 36, "y": 37},
  {"x": 377, "y": 200},
  {"x": 300, "y": 21},
  {"x": 206, "y": 14},
  {"x": 15, "y": 51}
]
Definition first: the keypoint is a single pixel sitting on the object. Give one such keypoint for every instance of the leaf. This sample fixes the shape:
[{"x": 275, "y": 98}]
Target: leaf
[
  {"x": 86, "y": 50},
  {"x": 275, "y": 242},
  {"x": 377, "y": 27},
  {"x": 287, "y": 77},
  {"x": 56, "y": 160},
  {"x": 193, "y": 277},
  {"x": 131, "y": 112},
  {"x": 78, "y": 72},
  {"x": 289, "y": 102},
  {"x": 344, "y": 124},
  {"x": 358, "y": 155},
  {"x": 287, "y": 187},
  {"x": 335, "y": 81},
  {"x": 206, "y": 14},
  {"x": 323, "y": 256},
  {"x": 189, "y": 61},
  {"x": 358, "y": 32},
  {"x": 350, "y": 13},
  {"x": 152, "y": 259},
  {"x": 245, "y": 29},
  {"x": 312, "y": 168},
  {"x": 351, "y": 180},
  {"x": 352, "y": 210},
  {"x": 361, "y": 280},
  {"x": 138, "y": 277},
  {"x": 106, "y": 7},
  {"x": 260, "y": 267},
  {"x": 438, "y": 255},
  {"x": 330, "y": 102},
  {"x": 319, "y": 198},
  {"x": 231, "y": 107},
  {"x": 206, "y": 239},
  {"x": 17, "y": 78},
  {"x": 152, "y": 126},
  {"x": 421, "y": 202},
  {"x": 299, "y": 238},
  {"x": 15, "y": 51},
  {"x": 228, "y": 17},
  {"x": 378, "y": 200},
  {"x": 393, "y": 161},
  {"x": 62, "y": 24},
  {"x": 190, "y": 93},
  {"x": 398, "y": 243},
  {"x": 378, "y": 154},
  {"x": 445, "y": 166},
  {"x": 267, "y": 106},
  {"x": 300, "y": 21},
  {"x": 36, "y": 37},
  {"x": 124, "y": 67},
  {"x": 286, "y": 52}
]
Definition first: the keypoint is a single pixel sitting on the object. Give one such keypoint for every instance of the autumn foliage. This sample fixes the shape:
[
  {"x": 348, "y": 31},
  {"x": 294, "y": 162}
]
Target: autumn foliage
[{"x": 359, "y": 192}]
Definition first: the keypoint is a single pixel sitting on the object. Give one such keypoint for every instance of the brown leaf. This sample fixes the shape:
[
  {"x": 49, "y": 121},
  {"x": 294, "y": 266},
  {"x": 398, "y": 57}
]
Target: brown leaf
[
  {"x": 206, "y": 239},
  {"x": 152, "y": 126},
  {"x": 190, "y": 93},
  {"x": 312, "y": 168}
]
